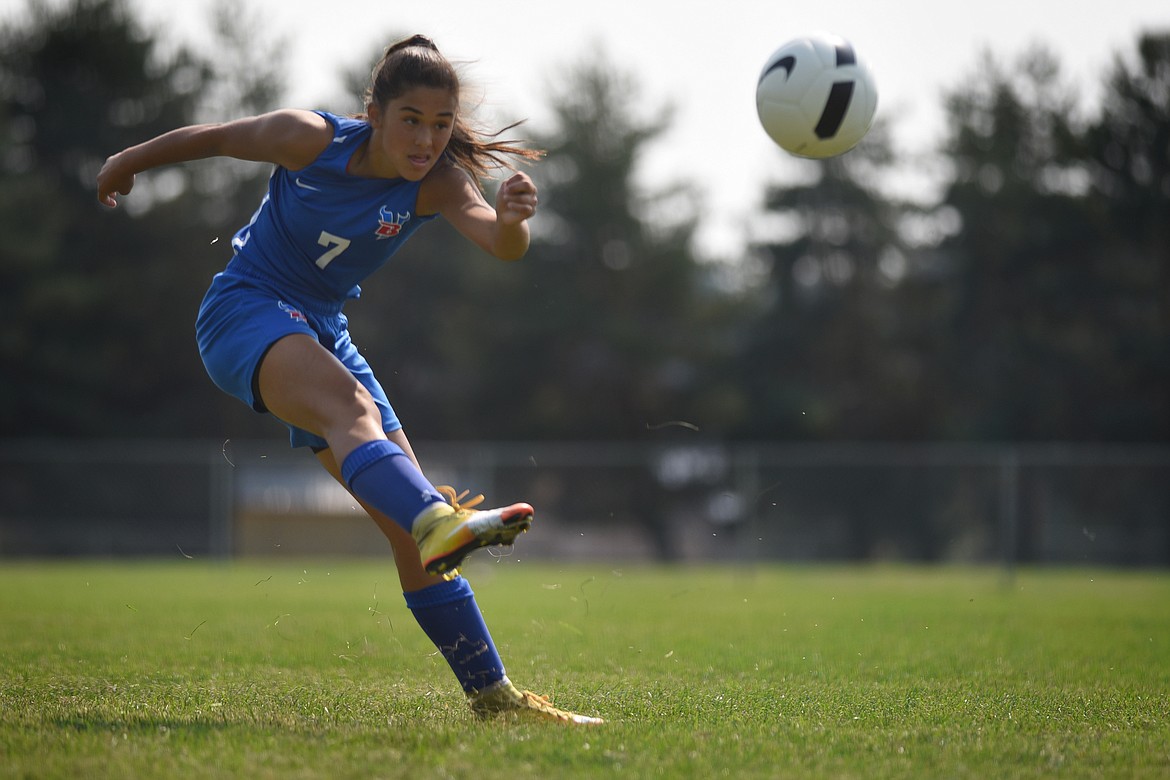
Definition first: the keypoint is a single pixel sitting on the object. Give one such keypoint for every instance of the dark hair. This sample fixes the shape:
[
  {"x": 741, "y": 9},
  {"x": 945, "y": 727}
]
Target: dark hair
[{"x": 416, "y": 62}]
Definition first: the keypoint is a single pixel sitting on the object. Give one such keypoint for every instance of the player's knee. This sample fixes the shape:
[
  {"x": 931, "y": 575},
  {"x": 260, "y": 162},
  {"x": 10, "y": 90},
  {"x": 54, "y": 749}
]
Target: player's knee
[
  {"x": 355, "y": 410},
  {"x": 364, "y": 406}
]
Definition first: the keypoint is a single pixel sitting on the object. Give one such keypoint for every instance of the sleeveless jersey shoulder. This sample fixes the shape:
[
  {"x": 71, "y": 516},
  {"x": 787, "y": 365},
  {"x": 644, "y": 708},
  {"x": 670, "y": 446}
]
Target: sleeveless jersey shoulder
[
  {"x": 348, "y": 134},
  {"x": 320, "y": 230}
]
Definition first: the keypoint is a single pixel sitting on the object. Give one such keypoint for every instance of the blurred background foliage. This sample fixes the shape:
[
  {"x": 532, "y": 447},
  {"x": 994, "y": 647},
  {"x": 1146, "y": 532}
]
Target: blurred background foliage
[{"x": 1031, "y": 302}]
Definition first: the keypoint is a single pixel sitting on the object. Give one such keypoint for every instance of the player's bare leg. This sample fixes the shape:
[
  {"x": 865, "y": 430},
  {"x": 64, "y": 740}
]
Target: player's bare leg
[{"x": 305, "y": 385}]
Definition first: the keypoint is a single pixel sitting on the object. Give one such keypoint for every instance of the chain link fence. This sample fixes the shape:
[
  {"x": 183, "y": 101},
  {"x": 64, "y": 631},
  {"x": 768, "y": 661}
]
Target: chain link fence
[{"x": 1058, "y": 504}]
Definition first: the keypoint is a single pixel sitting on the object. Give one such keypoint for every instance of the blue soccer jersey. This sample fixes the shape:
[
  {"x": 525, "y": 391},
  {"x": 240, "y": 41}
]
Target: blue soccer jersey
[{"x": 319, "y": 231}]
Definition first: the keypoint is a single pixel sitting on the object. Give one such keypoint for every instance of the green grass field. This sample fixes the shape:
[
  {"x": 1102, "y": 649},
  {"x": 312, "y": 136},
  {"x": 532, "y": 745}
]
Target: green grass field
[{"x": 271, "y": 669}]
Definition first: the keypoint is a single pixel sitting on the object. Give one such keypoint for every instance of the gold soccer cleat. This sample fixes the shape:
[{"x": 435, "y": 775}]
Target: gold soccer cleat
[
  {"x": 447, "y": 533},
  {"x": 503, "y": 698}
]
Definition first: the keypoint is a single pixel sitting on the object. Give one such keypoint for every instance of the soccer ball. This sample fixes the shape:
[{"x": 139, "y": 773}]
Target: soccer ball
[{"x": 815, "y": 96}]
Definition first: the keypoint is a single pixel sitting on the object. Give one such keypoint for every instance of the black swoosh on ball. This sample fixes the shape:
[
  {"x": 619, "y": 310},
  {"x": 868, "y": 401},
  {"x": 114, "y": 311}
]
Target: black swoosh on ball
[
  {"x": 788, "y": 63},
  {"x": 835, "y": 107}
]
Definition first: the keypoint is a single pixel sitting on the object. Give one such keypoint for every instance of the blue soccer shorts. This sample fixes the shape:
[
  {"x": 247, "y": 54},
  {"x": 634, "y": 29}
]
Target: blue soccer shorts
[{"x": 240, "y": 319}]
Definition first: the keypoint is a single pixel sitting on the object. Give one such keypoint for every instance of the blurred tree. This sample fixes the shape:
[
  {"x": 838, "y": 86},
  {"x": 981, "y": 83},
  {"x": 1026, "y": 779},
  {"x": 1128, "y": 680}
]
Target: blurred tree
[
  {"x": 1035, "y": 351},
  {"x": 98, "y": 337},
  {"x": 1129, "y": 152},
  {"x": 841, "y": 342},
  {"x": 78, "y": 82},
  {"x": 834, "y": 351},
  {"x": 614, "y": 324}
]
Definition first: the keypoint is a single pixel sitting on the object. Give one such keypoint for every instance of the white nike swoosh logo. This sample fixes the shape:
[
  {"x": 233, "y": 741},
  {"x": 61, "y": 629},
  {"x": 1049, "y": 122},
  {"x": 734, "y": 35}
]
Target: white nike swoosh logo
[
  {"x": 340, "y": 139},
  {"x": 307, "y": 186}
]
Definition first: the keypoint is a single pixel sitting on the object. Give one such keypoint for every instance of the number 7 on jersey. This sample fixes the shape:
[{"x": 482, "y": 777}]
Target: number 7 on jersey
[{"x": 336, "y": 245}]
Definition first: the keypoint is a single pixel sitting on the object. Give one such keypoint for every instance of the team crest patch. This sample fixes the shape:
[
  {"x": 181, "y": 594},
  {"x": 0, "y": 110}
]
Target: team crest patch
[
  {"x": 390, "y": 223},
  {"x": 294, "y": 314}
]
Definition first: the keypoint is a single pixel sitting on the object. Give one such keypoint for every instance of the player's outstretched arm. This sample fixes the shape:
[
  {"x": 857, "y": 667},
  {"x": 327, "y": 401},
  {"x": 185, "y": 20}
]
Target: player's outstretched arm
[
  {"x": 291, "y": 138},
  {"x": 502, "y": 231}
]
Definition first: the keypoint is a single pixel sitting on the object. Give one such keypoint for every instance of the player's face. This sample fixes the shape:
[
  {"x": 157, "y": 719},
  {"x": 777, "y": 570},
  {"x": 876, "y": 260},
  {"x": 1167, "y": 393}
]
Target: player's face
[{"x": 412, "y": 130}]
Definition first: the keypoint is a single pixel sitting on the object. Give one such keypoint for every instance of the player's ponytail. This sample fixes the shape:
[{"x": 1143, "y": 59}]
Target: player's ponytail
[{"x": 417, "y": 62}]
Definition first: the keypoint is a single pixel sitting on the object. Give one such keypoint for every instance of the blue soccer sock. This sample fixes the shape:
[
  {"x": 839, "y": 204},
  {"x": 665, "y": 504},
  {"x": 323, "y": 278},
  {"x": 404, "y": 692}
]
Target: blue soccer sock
[
  {"x": 380, "y": 473},
  {"x": 449, "y": 615}
]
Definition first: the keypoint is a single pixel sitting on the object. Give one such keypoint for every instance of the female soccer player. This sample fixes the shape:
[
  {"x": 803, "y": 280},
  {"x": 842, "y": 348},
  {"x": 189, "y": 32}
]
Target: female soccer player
[{"x": 343, "y": 197}]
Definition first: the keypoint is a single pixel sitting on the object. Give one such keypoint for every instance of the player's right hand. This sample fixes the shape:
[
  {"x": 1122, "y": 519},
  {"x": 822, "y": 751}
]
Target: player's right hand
[{"x": 111, "y": 179}]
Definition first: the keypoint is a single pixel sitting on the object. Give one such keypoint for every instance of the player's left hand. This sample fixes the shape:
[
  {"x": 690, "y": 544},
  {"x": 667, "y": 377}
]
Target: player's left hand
[{"x": 516, "y": 200}]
